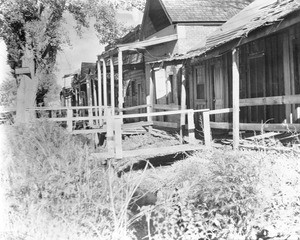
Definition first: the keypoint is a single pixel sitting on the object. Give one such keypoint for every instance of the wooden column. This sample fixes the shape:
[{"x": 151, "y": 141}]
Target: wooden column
[
  {"x": 235, "y": 97},
  {"x": 287, "y": 76},
  {"x": 104, "y": 84},
  {"x": 99, "y": 90},
  {"x": 112, "y": 84},
  {"x": 183, "y": 102},
  {"x": 206, "y": 129},
  {"x": 95, "y": 97},
  {"x": 120, "y": 80},
  {"x": 150, "y": 91},
  {"x": 191, "y": 126},
  {"x": 110, "y": 132},
  {"x": 89, "y": 98},
  {"x": 118, "y": 137}
]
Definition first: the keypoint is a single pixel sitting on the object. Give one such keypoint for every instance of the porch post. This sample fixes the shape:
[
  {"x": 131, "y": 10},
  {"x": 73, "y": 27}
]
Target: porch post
[
  {"x": 287, "y": 77},
  {"x": 99, "y": 89},
  {"x": 89, "y": 98},
  {"x": 120, "y": 80},
  {"x": 104, "y": 84},
  {"x": 183, "y": 102},
  {"x": 112, "y": 84},
  {"x": 150, "y": 91},
  {"x": 235, "y": 97}
]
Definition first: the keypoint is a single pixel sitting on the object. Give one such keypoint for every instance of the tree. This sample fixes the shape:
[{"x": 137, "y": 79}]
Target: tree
[{"x": 33, "y": 33}]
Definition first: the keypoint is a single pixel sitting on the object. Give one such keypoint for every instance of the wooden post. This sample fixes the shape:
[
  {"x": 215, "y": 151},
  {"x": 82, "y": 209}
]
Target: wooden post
[
  {"x": 235, "y": 98},
  {"x": 287, "y": 75},
  {"x": 112, "y": 84},
  {"x": 69, "y": 121},
  {"x": 183, "y": 103},
  {"x": 110, "y": 131},
  {"x": 150, "y": 92},
  {"x": 118, "y": 137},
  {"x": 95, "y": 98},
  {"x": 120, "y": 79},
  {"x": 206, "y": 129},
  {"x": 104, "y": 84},
  {"x": 100, "y": 90},
  {"x": 191, "y": 126},
  {"x": 89, "y": 98}
]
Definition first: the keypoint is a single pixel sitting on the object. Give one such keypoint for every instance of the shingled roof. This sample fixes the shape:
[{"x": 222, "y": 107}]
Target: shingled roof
[
  {"x": 258, "y": 14},
  {"x": 202, "y": 10}
]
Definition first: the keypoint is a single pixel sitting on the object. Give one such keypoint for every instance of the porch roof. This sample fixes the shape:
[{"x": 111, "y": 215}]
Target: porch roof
[
  {"x": 258, "y": 14},
  {"x": 138, "y": 45}
]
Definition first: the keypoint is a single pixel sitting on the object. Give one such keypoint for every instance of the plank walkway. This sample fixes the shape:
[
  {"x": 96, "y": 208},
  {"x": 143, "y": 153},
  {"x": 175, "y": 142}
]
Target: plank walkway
[{"x": 153, "y": 152}]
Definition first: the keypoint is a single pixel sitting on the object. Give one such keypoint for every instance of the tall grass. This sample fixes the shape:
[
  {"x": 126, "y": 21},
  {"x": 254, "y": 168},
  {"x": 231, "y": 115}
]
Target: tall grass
[{"x": 58, "y": 191}]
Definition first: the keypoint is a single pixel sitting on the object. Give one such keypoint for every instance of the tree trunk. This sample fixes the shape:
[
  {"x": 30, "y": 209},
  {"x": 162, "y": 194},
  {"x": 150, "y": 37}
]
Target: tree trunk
[{"x": 27, "y": 90}]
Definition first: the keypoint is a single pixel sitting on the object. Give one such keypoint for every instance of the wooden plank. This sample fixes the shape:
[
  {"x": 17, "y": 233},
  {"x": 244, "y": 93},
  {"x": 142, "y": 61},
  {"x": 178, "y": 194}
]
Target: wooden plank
[
  {"x": 120, "y": 80},
  {"x": 110, "y": 133},
  {"x": 191, "y": 127},
  {"x": 263, "y": 136},
  {"x": 118, "y": 138},
  {"x": 206, "y": 129},
  {"x": 104, "y": 83},
  {"x": 65, "y": 108},
  {"x": 166, "y": 107},
  {"x": 63, "y": 119},
  {"x": 235, "y": 97},
  {"x": 166, "y": 124},
  {"x": 153, "y": 152},
  {"x": 183, "y": 107},
  {"x": 137, "y": 115},
  {"x": 277, "y": 100},
  {"x": 280, "y": 127},
  {"x": 287, "y": 75},
  {"x": 112, "y": 84},
  {"x": 220, "y": 111},
  {"x": 99, "y": 82},
  {"x": 69, "y": 120},
  {"x": 134, "y": 107}
]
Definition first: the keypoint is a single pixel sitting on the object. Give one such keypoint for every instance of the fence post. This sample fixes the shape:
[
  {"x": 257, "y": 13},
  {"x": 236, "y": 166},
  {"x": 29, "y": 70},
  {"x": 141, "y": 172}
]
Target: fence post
[
  {"x": 206, "y": 129},
  {"x": 109, "y": 131},
  {"x": 69, "y": 120},
  {"x": 191, "y": 126},
  {"x": 118, "y": 137}
]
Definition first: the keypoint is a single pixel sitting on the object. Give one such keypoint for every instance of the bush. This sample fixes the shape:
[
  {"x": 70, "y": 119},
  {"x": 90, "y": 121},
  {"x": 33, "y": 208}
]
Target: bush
[{"x": 223, "y": 195}]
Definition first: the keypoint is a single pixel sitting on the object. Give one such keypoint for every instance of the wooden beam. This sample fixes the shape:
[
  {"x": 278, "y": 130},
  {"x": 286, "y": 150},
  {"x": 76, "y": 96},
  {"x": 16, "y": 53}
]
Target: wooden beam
[
  {"x": 183, "y": 106},
  {"x": 220, "y": 111},
  {"x": 120, "y": 80},
  {"x": 118, "y": 137},
  {"x": 112, "y": 84},
  {"x": 166, "y": 124},
  {"x": 147, "y": 43},
  {"x": 235, "y": 97},
  {"x": 89, "y": 97},
  {"x": 277, "y": 100},
  {"x": 104, "y": 83},
  {"x": 206, "y": 129},
  {"x": 287, "y": 75},
  {"x": 99, "y": 88},
  {"x": 150, "y": 91},
  {"x": 134, "y": 108}
]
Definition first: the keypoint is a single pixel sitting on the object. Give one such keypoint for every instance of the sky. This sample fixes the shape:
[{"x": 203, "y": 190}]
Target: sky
[
  {"x": 87, "y": 47},
  {"x": 82, "y": 49}
]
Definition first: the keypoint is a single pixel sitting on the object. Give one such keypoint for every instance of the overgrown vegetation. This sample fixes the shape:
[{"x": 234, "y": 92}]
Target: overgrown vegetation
[{"x": 56, "y": 190}]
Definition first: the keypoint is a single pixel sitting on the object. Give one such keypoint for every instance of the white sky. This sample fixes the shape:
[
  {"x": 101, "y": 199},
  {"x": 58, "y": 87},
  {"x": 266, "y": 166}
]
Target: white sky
[{"x": 83, "y": 49}]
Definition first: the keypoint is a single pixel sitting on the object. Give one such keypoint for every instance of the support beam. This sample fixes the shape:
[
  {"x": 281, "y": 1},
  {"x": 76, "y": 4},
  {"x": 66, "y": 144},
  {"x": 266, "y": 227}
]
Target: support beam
[
  {"x": 104, "y": 83},
  {"x": 99, "y": 89},
  {"x": 112, "y": 84},
  {"x": 89, "y": 97},
  {"x": 150, "y": 91},
  {"x": 120, "y": 80},
  {"x": 235, "y": 98},
  {"x": 206, "y": 129},
  {"x": 183, "y": 102},
  {"x": 287, "y": 76}
]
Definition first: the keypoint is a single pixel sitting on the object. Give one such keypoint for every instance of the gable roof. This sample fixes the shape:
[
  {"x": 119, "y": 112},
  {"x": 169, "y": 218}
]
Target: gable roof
[
  {"x": 258, "y": 14},
  {"x": 202, "y": 10}
]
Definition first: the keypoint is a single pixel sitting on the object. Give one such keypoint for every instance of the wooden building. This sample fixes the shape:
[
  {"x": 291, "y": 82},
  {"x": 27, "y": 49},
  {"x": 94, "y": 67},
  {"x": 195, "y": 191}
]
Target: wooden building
[
  {"x": 251, "y": 63},
  {"x": 169, "y": 28}
]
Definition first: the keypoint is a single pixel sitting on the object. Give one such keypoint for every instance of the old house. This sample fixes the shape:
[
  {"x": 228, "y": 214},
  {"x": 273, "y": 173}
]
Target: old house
[
  {"x": 251, "y": 63},
  {"x": 169, "y": 28}
]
